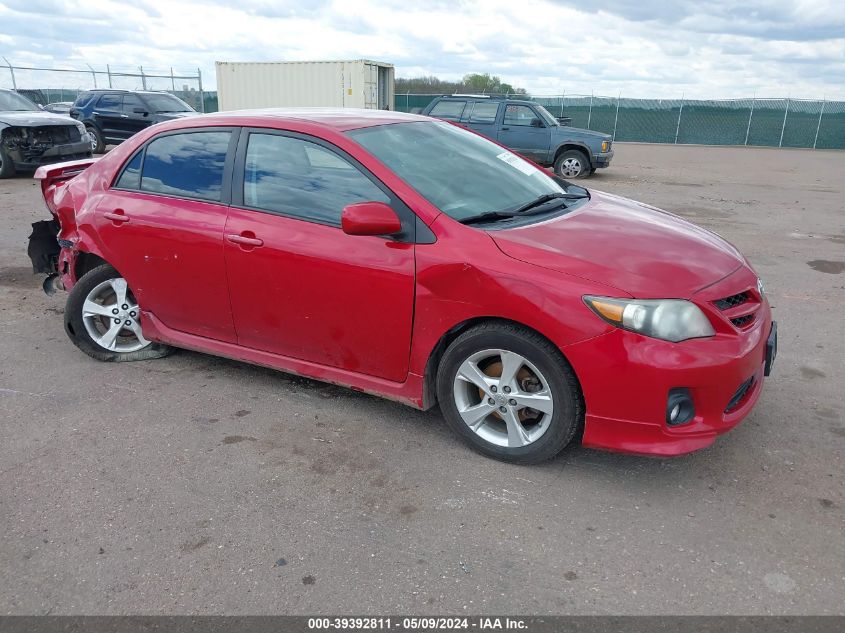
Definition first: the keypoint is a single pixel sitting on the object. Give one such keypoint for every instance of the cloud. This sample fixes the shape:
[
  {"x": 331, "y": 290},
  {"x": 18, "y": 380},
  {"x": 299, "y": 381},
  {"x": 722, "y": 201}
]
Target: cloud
[{"x": 647, "y": 48}]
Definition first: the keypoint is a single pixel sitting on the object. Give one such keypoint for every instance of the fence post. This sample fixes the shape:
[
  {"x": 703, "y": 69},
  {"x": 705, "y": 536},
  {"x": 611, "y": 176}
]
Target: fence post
[
  {"x": 750, "y": 114},
  {"x": 783, "y": 127},
  {"x": 108, "y": 72},
  {"x": 93, "y": 74},
  {"x": 819, "y": 124},
  {"x": 680, "y": 111},
  {"x": 202, "y": 96},
  {"x": 616, "y": 119},
  {"x": 12, "y": 72},
  {"x": 172, "y": 80},
  {"x": 143, "y": 77},
  {"x": 590, "y": 112}
]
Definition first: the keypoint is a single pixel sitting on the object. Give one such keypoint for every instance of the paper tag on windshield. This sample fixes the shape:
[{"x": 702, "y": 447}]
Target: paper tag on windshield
[{"x": 517, "y": 163}]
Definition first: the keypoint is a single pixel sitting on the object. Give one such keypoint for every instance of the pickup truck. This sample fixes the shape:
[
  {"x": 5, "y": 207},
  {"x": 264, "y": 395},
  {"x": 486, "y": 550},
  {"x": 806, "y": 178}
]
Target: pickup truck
[{"x": 528, "y": 129}]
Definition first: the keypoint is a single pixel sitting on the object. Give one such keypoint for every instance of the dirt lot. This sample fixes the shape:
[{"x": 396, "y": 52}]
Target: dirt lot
[{"x": 199, "y": 485}]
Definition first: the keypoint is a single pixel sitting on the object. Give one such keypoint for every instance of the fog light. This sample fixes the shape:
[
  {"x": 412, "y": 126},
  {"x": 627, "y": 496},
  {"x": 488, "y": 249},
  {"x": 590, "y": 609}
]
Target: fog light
[{"x": 679, "y": 406}]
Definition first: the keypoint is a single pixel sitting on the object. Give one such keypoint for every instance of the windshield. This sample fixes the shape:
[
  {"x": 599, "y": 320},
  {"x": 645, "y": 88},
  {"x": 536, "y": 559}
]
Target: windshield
[
  {"x": 14, "y": 101},
  {"x": 461, "y": 173},
  {"x": 547, "y": 116},
  {"x": 166, "y": 103}
]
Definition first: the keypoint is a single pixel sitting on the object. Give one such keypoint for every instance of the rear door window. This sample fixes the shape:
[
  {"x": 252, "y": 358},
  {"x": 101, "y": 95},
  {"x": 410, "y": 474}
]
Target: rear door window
[
  {"x": 188, "y": 165},
  {"x": 449, "y": 110},
  {"x": 109, "y": 102},
  {"x": 483, "y": 112}
]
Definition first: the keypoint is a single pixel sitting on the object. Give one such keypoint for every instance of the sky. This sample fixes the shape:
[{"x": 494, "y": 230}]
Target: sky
[{"x": 639, "y": 48}]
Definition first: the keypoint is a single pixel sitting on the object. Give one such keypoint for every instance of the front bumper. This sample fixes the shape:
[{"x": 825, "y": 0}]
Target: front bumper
[
  {"x": 602, "y": 160},
  {"x": 626, "y": 379},
  {"x": 54, "y": 154}
]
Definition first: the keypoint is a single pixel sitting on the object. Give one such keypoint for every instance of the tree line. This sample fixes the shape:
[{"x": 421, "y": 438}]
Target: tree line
[{"x": 481, "y": 83}]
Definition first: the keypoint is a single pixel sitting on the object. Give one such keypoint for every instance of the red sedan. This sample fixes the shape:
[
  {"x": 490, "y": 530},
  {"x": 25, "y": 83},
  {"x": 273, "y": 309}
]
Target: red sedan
[{"x": 412, "y": 259}]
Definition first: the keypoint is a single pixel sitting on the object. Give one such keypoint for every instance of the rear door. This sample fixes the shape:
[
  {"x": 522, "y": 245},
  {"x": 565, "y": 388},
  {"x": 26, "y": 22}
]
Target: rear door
[
  {"x": 161, "y": 225},
  {"x": 300, "y": 286},
  {"x": 481, "y": 116},
  {"x": 524, "y": 131}
]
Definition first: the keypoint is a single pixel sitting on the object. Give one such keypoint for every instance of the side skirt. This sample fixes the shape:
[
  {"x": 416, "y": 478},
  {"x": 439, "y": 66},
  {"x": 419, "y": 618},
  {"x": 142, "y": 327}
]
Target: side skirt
[{"x": 408, "y": 392}]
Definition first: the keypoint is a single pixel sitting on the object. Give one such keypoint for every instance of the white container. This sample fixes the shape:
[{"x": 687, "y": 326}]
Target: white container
[{"x": 342, "y": 84}]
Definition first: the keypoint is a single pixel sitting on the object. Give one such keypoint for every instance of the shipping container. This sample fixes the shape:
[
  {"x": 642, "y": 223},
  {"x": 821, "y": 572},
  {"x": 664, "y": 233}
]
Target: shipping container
[{"x": 342, "y": 84}]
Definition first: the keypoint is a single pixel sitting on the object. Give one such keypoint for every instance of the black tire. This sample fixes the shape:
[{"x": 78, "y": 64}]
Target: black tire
[
  {"x": 98, "y": 146},
  {"x": 78, "y": 333},
  {"x": 568, "y": 411},
  {"x": 7, "y": 167},
  {"x": 570, "y": 158}
]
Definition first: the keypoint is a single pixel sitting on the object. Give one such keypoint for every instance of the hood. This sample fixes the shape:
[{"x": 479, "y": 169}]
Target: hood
[
  {"x": 645, "y": 252},
  {"x": 575, "y": 133},
  {"x": 34, "y": 118}
]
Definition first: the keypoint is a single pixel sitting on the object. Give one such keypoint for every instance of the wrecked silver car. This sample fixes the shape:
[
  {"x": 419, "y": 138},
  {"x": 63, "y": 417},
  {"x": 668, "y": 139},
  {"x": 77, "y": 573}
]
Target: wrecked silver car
[{"x": 30, "y": 137}]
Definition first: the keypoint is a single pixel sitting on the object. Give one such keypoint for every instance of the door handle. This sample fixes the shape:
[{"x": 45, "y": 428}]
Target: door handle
[
  {"x": 246, "y": 239},
  {"x": 117, "y": 216},
  {"x": 505, "y": 128},
  {"x": 124, "y": 116}
]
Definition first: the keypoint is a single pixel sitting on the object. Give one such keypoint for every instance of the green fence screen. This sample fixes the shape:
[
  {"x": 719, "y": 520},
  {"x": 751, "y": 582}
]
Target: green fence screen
[{"x": 764, "y": 122}]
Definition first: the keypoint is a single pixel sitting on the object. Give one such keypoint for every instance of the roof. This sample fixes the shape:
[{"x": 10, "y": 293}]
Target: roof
[{"x": 340, "y": 119}]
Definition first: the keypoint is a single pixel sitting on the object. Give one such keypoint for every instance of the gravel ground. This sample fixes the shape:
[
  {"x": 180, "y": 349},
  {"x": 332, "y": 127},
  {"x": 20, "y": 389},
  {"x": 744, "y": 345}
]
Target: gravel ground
[{"x": 199, "y": 485}]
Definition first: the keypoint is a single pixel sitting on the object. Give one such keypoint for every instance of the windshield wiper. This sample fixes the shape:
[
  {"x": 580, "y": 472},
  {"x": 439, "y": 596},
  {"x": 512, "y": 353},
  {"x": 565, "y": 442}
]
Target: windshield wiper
[{"x": 548, "y": 197}]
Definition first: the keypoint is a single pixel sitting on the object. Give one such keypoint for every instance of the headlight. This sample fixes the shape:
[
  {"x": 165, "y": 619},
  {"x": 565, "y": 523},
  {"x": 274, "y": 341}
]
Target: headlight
[
  {"x": 605, "y": 145},
  {"x": 668, "y": 319}
]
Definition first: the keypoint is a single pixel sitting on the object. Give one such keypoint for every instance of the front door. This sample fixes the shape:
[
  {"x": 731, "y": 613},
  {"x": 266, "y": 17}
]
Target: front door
[
  {"x": 162, "y": 224},
  {"x": 524, "y": 132},
  {"x": 108, "y": 115},
  {"x": 136, "y": 115},
  {"x": 301, "y": 287}
]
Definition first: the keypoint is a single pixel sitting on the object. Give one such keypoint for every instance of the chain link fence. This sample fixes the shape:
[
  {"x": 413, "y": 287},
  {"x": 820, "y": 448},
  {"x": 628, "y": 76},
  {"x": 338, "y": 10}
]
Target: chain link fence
[
  {"x": 763, "y": 122},
  {"x": 49, "y": 85}
]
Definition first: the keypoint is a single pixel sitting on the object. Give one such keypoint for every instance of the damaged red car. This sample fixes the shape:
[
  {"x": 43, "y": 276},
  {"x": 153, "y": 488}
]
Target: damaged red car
[{"x": 406, "y": 257}]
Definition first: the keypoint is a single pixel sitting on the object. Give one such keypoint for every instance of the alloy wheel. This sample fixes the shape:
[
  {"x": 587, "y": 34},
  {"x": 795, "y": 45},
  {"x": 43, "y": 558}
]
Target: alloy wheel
[
  {"x": 503, "y": 398},
  {"x": 112, "y": 317}
]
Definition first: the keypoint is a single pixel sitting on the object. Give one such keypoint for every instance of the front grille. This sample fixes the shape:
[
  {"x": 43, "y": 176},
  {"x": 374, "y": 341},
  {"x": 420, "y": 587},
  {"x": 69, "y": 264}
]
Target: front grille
[
  {"x": 744, "y": 388},
  {"x": 732, "y": 301},
  {"x": 743, "y": 320}
]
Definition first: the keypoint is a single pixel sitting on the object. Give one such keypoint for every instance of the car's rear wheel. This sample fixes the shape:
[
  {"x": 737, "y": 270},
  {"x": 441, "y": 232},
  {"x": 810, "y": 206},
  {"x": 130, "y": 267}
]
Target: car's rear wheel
[
  {"x": 103, "y": 319},
  {"x": 509, "y": 393},
  {"x": 7, "y": 167},
  {"x": 573, "y": 164},
  {"x": 98, "y": 143}
]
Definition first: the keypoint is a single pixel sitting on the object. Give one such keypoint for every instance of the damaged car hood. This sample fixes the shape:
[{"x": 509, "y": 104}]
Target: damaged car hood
[
  {"x": 33, "y": 119},
  {"x": 641, "y": 250}
]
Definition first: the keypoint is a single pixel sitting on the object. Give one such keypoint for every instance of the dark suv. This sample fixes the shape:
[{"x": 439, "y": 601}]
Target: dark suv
[
  {"x": 112, "y": 116},
  {"x": 528, "y": 129}
]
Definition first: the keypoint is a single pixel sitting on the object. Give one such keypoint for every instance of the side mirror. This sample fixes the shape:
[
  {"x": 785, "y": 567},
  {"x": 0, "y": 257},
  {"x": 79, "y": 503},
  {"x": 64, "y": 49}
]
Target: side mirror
[
  {"x": 140, "y": 111},
  {"x": 370, "y": 218},
  {"x": 536, "y": 123}
]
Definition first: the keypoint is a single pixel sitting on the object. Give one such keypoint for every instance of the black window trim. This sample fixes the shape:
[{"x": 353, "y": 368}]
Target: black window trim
[
  {"x": 225, "y": 185},
  {"x": 412, "y": 228}
]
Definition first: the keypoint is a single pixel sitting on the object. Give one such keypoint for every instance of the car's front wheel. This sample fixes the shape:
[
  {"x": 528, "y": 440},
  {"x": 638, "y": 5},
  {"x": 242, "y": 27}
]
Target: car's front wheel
[
  {"x": 98, "y": 143},
  {"x": 103, "y": 319},
  {"x": 509, "y": 393},
  {"x": 573, "y": 164}
]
